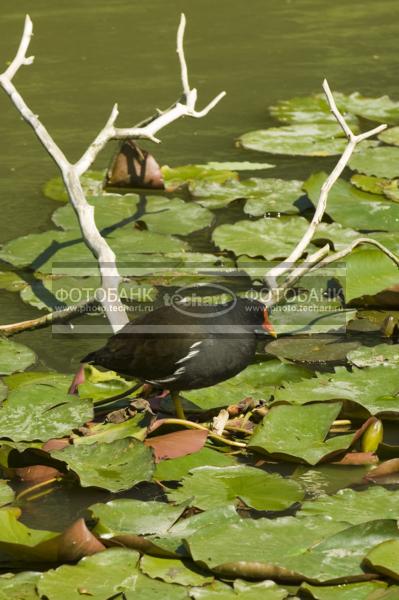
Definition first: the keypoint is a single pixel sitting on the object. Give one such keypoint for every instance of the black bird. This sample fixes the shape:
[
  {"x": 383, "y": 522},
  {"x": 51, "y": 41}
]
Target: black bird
[{"x": 184, "y": 347}]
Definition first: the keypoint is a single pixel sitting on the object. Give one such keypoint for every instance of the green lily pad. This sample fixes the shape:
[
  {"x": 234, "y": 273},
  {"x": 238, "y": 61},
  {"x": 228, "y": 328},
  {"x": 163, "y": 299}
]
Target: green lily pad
[
  {"x": 172, "y": 542},
  {"x": 161, "y": 215},
  {"x": 352, "y": 207},
  {"x": 278, "y": 196},
  {"x": 23, "y": 543},
  {"x": 383, "y": 558},
  {"x": 242, "y": 165},
  {"x": 92, "y": 182},
  {"x": 366, "y": 590},
  {"x": 369, "y": 272},
  {"x": 40, "y": 250},
  {"x": 317, "y": 350},
  {"x": 329, "y": 478},
  {"x": 187, "y": 174},
  {"x": 244, "y": 590},
  {"x": 71, "y": 582},
  {"x": 176, "y": 468},
  {"x": 29, "y": 377},
  {"x": 315, "y": 549},
  {"x": 145, "y": 588},
  {"x": 263, "y": 195},
  {"x": 14, "y": 357},
  {"x": 298, "y": 140},
  {"x": 381, "y": 110},
  {"x": 174, "y": 570},
  {"x": 40, "y": 411},
  {"x": 299, "y": 432},
  {"x": 258, "y": 381},
  {"x": 211, "y": 487},
  {"x": 271, "y": 238},
  {"x": 381, "y": 161},
  {"x": 254, "y": 548},
  {"x": 307, "y": 109},
  {"x": 116, "y": 466},
  {"x": 56, "y": 293},
  {"x": 6, "y": 493},
  {"x": 382, "y": 354},
  {"x": 354, "y": 507},
  {"x": 99, "y": 385},
  {"x": 337, "y": 234},
  {"x": 21, "y": 586},
  {"x": 390, "y": 136},
  {"x": 135, "y": 427},
  {"x": 369, "y": 183},
  {"x": 373, "y": 388},
  {"x": 126, "y": 516}
]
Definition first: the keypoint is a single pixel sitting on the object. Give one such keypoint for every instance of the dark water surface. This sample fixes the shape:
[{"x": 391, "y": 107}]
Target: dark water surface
[{"x": 91, "y": 54}]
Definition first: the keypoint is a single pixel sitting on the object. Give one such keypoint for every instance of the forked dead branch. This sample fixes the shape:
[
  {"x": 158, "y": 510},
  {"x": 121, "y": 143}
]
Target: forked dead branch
[{"x": 291, "y": 267}]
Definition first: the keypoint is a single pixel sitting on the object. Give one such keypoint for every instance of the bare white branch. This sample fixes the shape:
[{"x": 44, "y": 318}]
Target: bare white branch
[
  {"x": 20, "y": 57},
  {"x": 353, "y": 140},
  {"x": 183, "y": 108},
  {"x": 348, "y": 249}
]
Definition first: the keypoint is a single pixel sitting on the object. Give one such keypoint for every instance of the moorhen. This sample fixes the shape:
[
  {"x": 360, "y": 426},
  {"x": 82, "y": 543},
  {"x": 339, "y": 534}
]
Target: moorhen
[{"x": 184, "y": 347}]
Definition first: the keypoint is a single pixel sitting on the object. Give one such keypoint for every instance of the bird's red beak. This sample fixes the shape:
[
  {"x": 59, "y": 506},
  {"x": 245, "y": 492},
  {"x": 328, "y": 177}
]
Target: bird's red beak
[{"x": 266, "y": 325}]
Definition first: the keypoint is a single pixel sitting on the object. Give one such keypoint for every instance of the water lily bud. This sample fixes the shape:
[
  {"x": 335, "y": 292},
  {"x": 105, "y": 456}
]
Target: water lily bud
[{"x": 372, "y": 437}]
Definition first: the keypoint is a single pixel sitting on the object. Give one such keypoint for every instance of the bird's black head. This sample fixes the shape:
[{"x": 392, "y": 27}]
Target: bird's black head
[{"x": 253, "y": 312}]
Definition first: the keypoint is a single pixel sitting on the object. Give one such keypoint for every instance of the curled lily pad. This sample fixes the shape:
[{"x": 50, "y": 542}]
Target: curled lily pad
[
  {"x": 92, "y": 183},
  {"x": 299, "y": 432},
  {"x": 116, "y": 466},
  {"x": 69, "y": 581},
  {"x": 383, "y": 558},
  {"x": 354, "y": 506},
  {"x": 211, "y": 487},
  {"x": 307, "y": 109},
  {"x": 24, "y": 543},
  {"x": 271, "y": 238},
  {"x": 381, "y": 161},
  {"x": 14, "y": 357},
  {"x": 382, "y": 354},
  {"x": 40, "y": 411},
  {"x": 372, "y": 388},
  {"x": 353, "y": 208},
  {"x": 310, "y": 139}
]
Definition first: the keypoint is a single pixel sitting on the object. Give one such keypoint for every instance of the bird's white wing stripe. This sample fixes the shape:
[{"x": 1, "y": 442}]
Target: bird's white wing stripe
[{"x": 180, "y": 370}]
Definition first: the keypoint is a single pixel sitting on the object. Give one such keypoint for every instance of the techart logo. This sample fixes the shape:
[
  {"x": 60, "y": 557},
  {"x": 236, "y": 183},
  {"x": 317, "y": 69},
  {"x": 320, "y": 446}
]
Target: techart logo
[{"x": 217, "y": 298}]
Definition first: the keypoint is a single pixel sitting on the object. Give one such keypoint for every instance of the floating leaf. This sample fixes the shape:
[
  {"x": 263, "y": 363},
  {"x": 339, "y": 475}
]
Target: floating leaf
[
  {"x": 366, "y": 590},
  {"x": 6, "y": 493},
  {"x": 242, "y": 590},
  {"x": 187, "y": 174},
  {"x": 377, "y": 185},
  {"x": 271, "y": 238},
  {"x": 279, "y": 196},
  {"x": 381, "y": 161},
  {"x": 161, "y": 215},
  {"x": 14, "y": 357},
  {"x": 383, "y": 558},
  {"x": 40, "y": 411},
  {"x": 23, "y": 543},
  {"x": 211, "y": 487},
  {"x": 299, "y": 432},
  {"x": 176, "y": 443},
  {"x": 116, "y": 466},
  {"x": 303, "y": 140},
  {"x": 92, "y": 182},
  {"x": 369, "y": 271},
  {"x": 21, "y": 586},
  {"x": 354, "y": 507},
  {"x": 72, "y": 582},
  {"x": 381, "y": 110},
  {"x": 99, "y": 385},
  {"x": 382, "y": 354},
  {"x": 371, "y": 388},
  {"x": 318, "y": 349},
  {"x": 135, "y": 427},
  {"x": 306, "y": 109},
  {"x": 239, "y": 166},
  {"x": 352, "y": 207},
  {"x": 11, "y": 281},
  {"x": 328, "y": 478},
  {"x": 257, "y": 381},
  {"x": 126, "y": 516},
  {"x": 176, "y": 468},
  {"x": 174, "y": 570},
  {"x": 390, "y": 136}
]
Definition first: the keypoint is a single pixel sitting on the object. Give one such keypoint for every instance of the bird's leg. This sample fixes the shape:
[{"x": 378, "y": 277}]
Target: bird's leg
[{"x": 178, "y": 405}]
